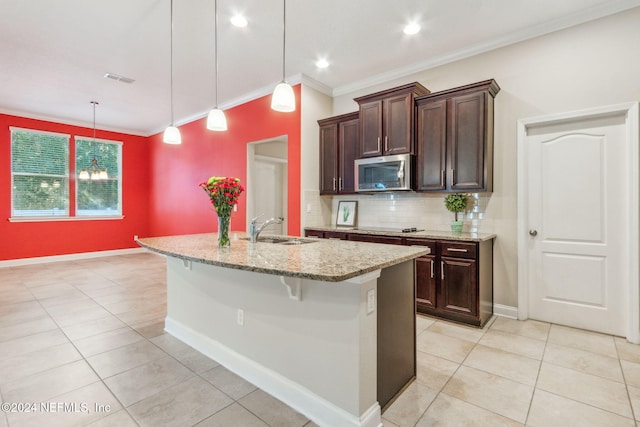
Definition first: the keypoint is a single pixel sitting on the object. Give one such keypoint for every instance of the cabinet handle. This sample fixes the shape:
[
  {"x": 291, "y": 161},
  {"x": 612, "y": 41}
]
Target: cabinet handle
[
  {"x": 453, "y": 177},
  {"x": 432, "y": 269},
  {"x": 334, "y": 184},
  {"x": 379, "y": 144},
  {"x": 386, "y": 143},
  {"x": 442, "y": 270},
  {"x": 456, "y": 250},
  {"x": 442, "y": 177},
  {"x": 340, "y": 184}
]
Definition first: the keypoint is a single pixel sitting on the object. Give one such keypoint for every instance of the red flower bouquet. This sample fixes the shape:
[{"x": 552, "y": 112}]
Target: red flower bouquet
[{"x": 223, "y": 193}]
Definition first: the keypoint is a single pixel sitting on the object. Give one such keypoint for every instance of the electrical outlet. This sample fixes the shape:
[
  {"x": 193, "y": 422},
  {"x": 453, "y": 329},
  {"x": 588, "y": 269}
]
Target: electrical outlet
[
  {"x": 135, "y": 237},
  {"x": 235, "y": 208},
  {"x": 240, "y": 317},
  {"x": 371, "y": 301}
]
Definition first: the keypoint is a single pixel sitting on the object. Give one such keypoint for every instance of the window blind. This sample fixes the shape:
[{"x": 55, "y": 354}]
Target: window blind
[
  {"x": 101, "y": 197},
  {"x": 39, "y": 173}
]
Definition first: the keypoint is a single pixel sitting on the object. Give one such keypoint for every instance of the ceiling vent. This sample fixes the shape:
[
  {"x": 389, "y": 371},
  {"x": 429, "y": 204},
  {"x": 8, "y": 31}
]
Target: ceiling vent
[{"x": 119, "y": 78}]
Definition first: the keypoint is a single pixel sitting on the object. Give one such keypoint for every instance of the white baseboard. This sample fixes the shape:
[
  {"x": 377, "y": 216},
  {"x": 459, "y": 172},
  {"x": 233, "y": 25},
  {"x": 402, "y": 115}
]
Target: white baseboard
[
  {"x": 319, "y": 410},
  {"x": 69, "y": 257},
  {"x": 505, "y": 311}
]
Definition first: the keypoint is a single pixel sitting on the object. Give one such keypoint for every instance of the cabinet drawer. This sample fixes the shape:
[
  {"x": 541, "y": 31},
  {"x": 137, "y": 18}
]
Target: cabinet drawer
[
  {"x": 458, "y": 249},
  {"x": 431, "y": 244},
  {"x": 338, "y": 235},
  {"x": 314, "y": 233},
  {"x": 391, "y": 240}
]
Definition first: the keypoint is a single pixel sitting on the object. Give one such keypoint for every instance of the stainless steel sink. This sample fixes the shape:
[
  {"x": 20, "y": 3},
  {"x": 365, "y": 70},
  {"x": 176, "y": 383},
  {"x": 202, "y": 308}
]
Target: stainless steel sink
[{"x": 282, "y": 240}]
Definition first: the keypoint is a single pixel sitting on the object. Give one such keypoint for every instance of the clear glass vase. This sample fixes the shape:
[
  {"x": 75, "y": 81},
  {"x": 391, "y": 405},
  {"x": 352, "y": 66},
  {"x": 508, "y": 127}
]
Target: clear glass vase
[{"x": 224, "y": 223}]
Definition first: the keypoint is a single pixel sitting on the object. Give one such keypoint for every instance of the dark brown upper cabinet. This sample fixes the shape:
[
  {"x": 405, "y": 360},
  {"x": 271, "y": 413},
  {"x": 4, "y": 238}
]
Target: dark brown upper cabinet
[
  {"x": 387, "y": 120},
  {"x": 455, "y": 138},
  {"x": 338, "y": 150}
]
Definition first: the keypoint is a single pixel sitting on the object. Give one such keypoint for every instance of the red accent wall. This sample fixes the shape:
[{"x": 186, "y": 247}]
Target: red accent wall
[
  {"x": 159, "y": 182},
  {"x": 179, "y": 206},
  {"x": 36, "y": 239}
]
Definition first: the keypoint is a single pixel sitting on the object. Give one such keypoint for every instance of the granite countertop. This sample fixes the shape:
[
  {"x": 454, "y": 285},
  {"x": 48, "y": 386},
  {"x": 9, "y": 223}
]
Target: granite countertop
[
  {"x": 327, "y": 260},
  {"x": 426, "y": 234}
]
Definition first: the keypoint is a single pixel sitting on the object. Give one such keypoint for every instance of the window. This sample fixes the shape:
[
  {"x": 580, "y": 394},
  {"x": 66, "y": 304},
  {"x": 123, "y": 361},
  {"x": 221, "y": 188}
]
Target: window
[
  {"x": 99, "y": 197},
  {"x": 39, "y": 173}
]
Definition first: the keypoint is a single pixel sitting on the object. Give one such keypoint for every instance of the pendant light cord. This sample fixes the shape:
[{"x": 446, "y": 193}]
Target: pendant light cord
[
  {"x": 171, "y": 59},
  {"x": 94, "y": 128},
  {"x": 215, "y": 49},
  {"x": 284, "y": 37}
]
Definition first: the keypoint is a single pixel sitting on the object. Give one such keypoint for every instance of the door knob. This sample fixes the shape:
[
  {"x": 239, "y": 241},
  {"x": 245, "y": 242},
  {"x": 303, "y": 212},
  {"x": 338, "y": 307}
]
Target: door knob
[{"x": 533, "y": 232}]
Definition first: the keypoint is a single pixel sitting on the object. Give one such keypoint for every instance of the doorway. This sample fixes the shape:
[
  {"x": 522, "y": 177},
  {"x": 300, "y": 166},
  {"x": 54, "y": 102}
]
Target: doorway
[
  {"x": 267, "y": 182},
  {"x": 578, "y": 220}
]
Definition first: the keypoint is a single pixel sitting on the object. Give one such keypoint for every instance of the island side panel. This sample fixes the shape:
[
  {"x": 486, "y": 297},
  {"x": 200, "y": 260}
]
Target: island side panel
[
  {"x": 396, "y": 331},
  {"x": 318, "y": 354}
]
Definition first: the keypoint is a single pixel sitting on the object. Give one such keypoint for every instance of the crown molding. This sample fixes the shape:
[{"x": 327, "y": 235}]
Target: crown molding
[
  {"x": 581, "y": 17},
  {"x": 62, "y": 121}
]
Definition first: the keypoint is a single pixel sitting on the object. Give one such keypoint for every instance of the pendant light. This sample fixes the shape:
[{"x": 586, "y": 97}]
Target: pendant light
[
  {"x": 172, "y": 133},
  {"x": 216, "y": 119},
  {"x": 95, "y": 172},
  {"x": 283, "y": 98}
]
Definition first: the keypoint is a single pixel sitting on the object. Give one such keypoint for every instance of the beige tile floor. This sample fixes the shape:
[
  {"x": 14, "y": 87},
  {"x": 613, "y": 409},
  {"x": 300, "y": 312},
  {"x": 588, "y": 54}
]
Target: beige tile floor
[{"x": 90, "y": 333}]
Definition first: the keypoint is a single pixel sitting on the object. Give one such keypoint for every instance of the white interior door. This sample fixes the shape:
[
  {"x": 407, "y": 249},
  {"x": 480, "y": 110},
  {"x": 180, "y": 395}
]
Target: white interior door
[
  {"x": 268, "y": 195},
  {"x": 578, "y": 223}
]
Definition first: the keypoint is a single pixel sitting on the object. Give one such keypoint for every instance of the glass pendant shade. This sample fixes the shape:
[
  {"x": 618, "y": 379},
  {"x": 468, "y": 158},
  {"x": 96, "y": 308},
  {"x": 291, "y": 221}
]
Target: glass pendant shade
[
  {"x": 95, "y": 176},
  {"x": 283, "y": 98},
  {"x": 84, "y": 175},
  {"x": 103, "y": 174},
  {"x": 216, "y": 120},
  {"x": 172, "y": 135}
]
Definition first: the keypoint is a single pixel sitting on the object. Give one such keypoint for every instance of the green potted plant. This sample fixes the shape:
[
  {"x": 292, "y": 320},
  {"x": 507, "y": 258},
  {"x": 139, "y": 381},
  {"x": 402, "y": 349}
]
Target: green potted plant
[{"x": 456, "y": 203}]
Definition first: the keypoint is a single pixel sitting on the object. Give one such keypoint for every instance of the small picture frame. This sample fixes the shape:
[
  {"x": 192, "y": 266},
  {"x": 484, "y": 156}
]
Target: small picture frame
[{"x": 346, "y": 215}]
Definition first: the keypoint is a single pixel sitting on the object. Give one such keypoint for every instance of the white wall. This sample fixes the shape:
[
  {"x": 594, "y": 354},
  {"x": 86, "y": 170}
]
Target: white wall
[
  {"x": 586, "y": 66},
  {"x": 315, "y": 210}
]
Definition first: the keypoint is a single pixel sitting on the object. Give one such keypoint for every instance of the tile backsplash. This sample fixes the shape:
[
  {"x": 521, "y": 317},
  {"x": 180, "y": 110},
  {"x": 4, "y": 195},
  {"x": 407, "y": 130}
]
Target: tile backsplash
[{"x": 399, "y": 210}]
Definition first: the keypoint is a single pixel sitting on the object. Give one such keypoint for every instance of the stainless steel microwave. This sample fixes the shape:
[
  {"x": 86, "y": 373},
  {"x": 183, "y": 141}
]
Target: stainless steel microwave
[{"x": 386, "y": 173}]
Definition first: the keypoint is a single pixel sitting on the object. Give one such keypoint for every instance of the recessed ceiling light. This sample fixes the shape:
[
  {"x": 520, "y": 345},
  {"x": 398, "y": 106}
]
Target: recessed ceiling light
[
  {"x": 411, "y": 28},
  {"x": 322, "y": 63},
  {"x": 239, "y": 21}
]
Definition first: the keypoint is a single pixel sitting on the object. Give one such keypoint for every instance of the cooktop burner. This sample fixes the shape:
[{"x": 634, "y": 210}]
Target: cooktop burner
[{"x": 391, "y": 230}]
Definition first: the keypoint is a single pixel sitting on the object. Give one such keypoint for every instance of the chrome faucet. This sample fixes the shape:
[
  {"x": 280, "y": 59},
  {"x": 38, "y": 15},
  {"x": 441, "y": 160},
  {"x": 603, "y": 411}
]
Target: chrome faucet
[{"x": 255, "y": 230}]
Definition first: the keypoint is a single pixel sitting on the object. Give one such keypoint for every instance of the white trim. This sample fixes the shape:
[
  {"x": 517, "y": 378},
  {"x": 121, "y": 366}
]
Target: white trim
[
  {"x": 38, "y": 131},
  {"x": 632, "y": 123},
  {"x": 62, "y": 121},
  {"x": 63, "y": 218},
  {"x": 505, "y": 311},
  {"x": 70, "y": 257},
  {"x": 319, "y": 410},
  {"x": 90, "y": 139}
]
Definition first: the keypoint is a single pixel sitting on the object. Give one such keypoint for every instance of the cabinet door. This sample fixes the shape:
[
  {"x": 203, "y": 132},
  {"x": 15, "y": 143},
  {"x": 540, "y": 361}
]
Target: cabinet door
[
  {"x": 371, "y": 129},
  {"x": 398, "y": 124},
  {"x": 431, "y": 146},
  {"x": 426, "y": 278},
  {"x": 467, "y": 131},
  {"x": 329, "y": 159},
  {"x": 349, "y": 150},
  {"x": 459, "y": 286}
]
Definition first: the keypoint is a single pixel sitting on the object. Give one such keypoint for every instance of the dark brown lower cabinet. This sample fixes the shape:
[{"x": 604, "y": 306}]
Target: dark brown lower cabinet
[{"x": 456, "y": 281}]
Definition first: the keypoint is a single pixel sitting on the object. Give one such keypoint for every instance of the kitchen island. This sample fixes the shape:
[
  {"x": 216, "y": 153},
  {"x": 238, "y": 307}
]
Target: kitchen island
[{"x": 327, "y": 327}]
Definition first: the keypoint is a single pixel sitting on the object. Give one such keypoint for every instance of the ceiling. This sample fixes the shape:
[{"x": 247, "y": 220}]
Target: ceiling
[{"x": 55, "y": 53}]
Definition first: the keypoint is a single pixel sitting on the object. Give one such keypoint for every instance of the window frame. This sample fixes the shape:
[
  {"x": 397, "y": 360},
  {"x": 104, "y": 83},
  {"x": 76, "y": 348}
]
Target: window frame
[
  {"x": 71, "y": 180},
  {"x": 120, "y": 144},
  {"x": 66, "y": 177}
]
